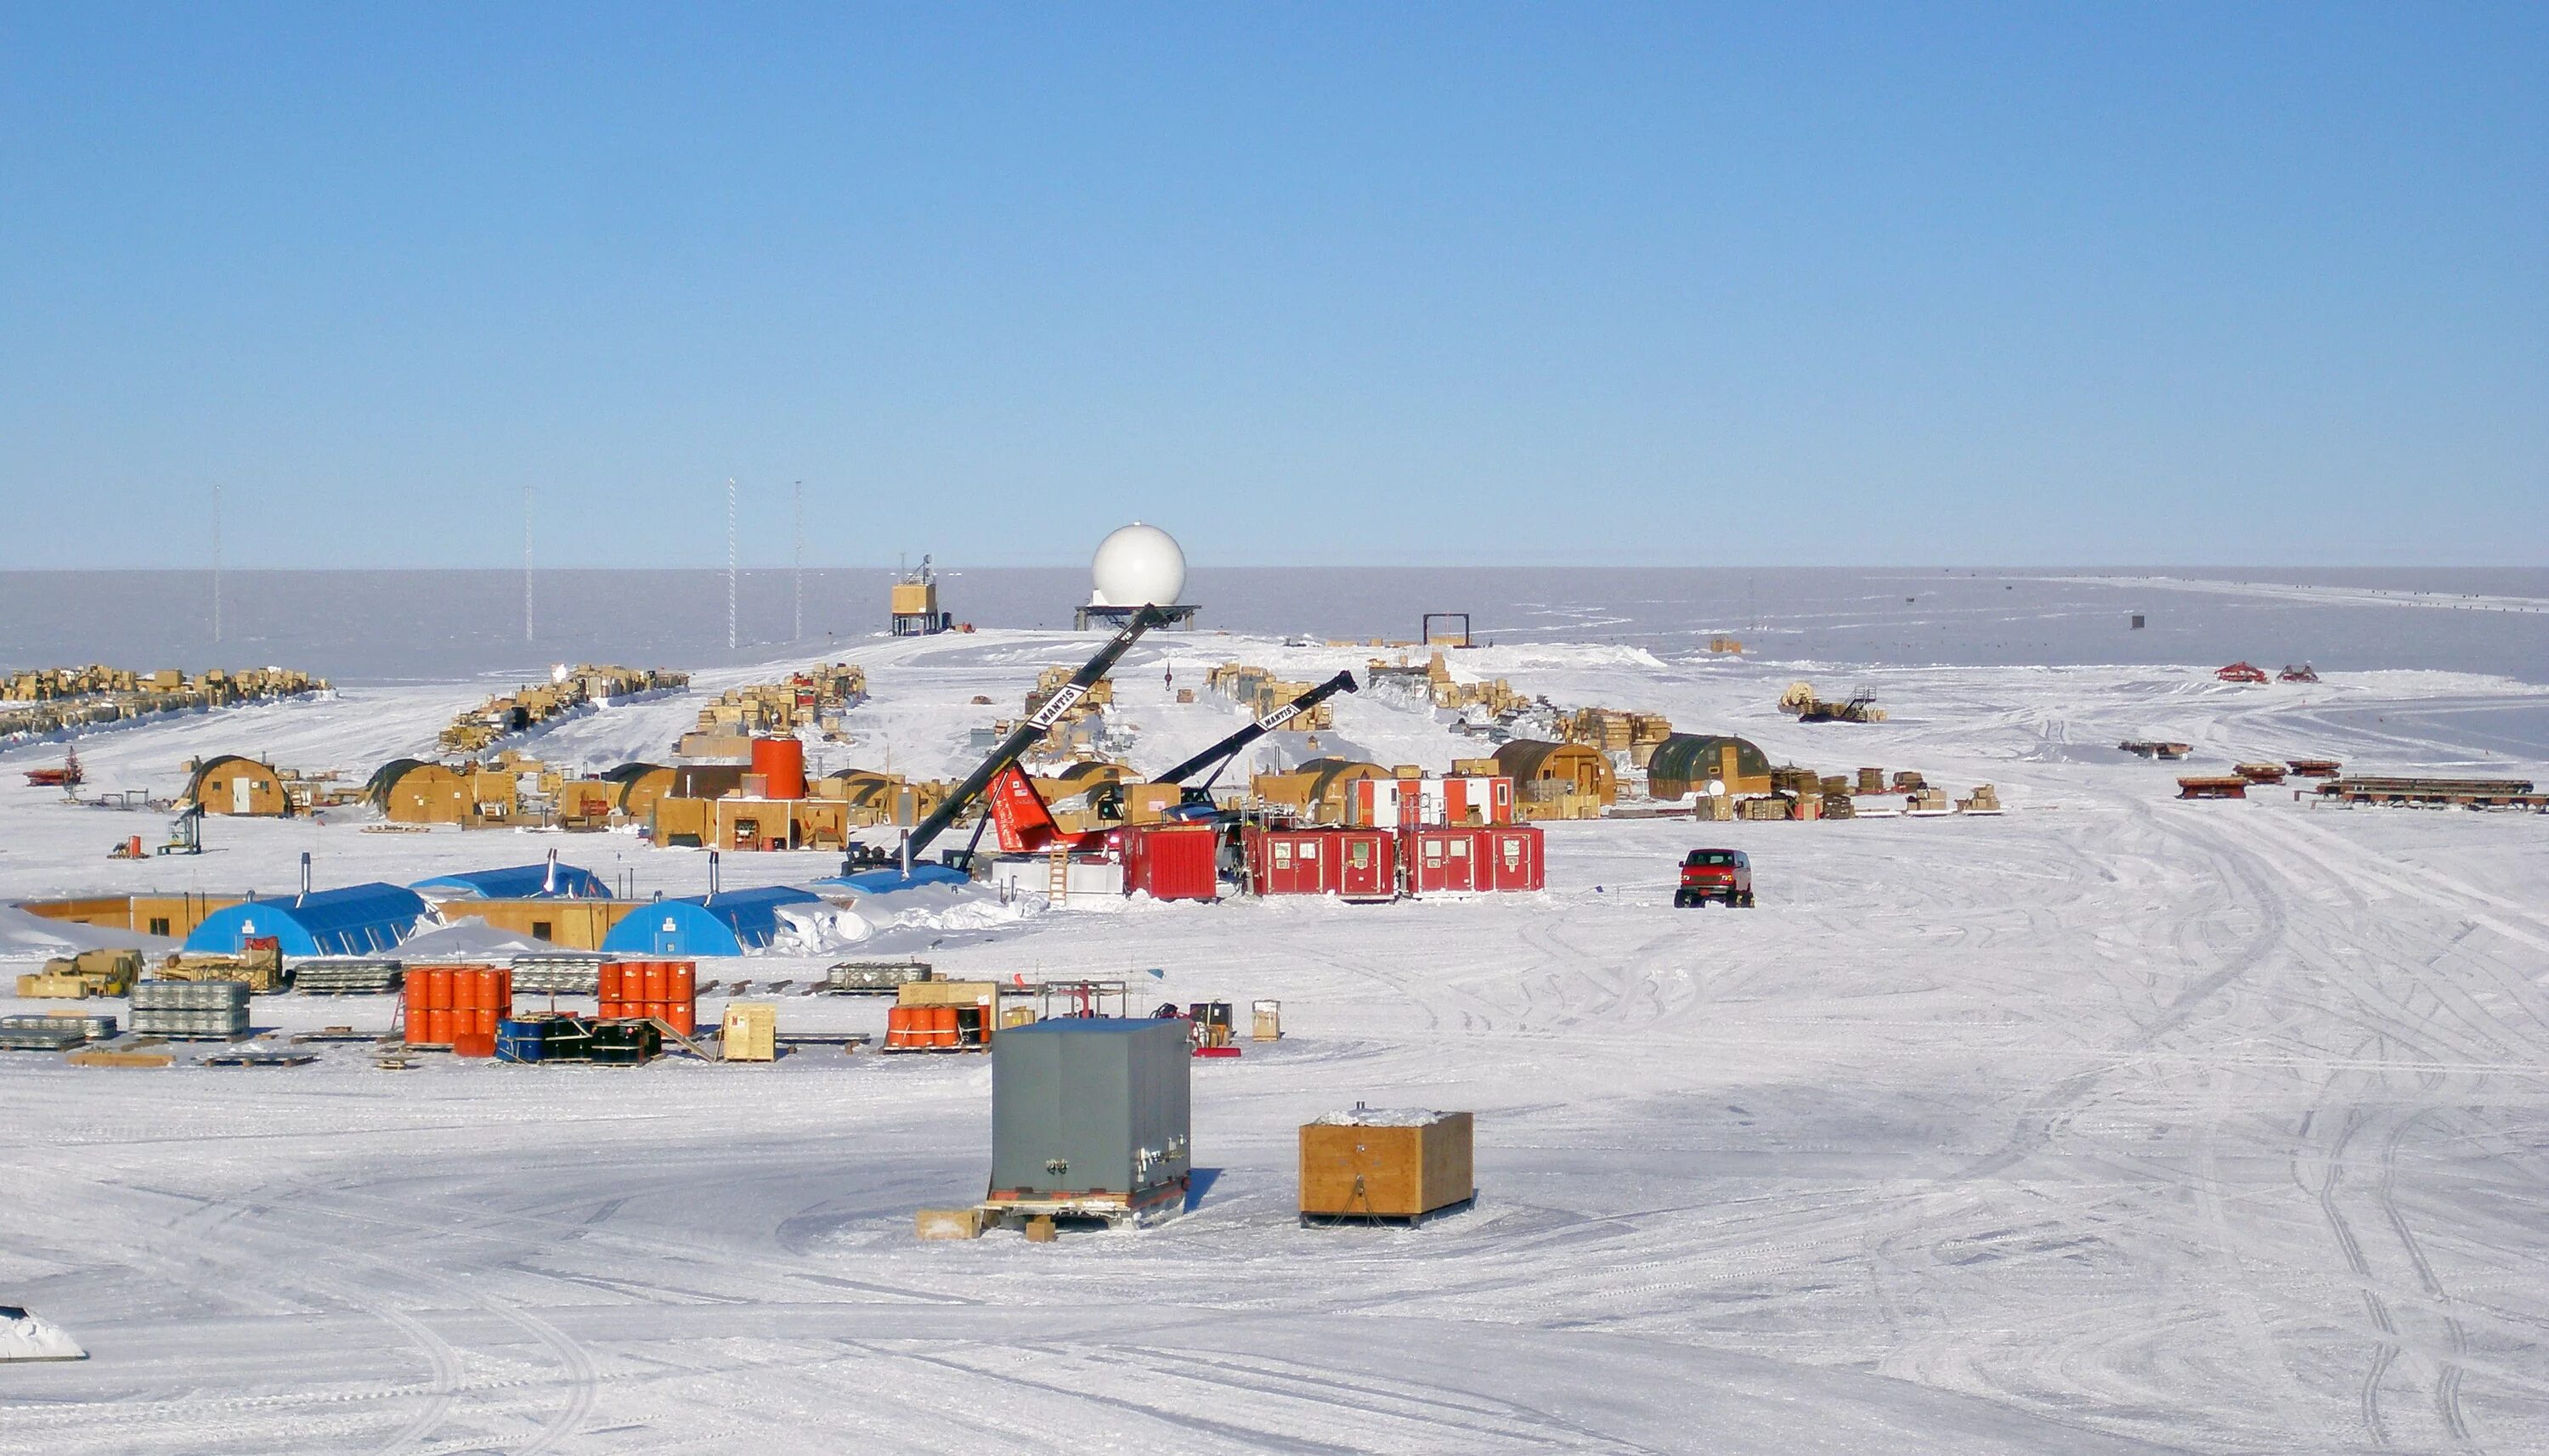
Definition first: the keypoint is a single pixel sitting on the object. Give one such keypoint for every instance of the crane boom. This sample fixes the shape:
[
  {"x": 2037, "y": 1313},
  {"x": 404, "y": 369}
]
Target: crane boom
[
  {"x": 1015, "y": 745},
  {"x": 1229, "y": 747}
]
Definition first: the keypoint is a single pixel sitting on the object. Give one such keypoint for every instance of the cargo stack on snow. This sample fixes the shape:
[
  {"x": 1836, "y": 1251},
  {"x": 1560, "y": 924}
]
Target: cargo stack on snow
[{"x": 191, "y": 1010}]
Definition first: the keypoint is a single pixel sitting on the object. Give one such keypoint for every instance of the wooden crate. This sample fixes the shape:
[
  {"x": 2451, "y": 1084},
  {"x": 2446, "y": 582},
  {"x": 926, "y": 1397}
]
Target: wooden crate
[
  {"x": 41, "y": 987},
  {"x": 749, "y": 1032},
  {"x": 96, "y": 1056},
  {"x": 947, "y": 1224},
  {"x": 1368, "y": 1170}
]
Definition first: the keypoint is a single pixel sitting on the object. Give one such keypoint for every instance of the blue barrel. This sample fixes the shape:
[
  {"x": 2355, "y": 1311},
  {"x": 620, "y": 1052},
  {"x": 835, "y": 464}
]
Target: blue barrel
[{"x": 520, "y": 1041}]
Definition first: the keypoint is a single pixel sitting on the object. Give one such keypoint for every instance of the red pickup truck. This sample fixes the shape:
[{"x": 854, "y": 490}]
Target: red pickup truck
[{"x": 1723, "y": 875}]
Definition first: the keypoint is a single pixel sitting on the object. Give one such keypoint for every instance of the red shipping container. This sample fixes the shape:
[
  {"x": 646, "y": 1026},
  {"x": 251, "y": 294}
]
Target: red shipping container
[
  {"x": 1172, "y": 862},
  {"x": 1514, "y": 859},
  {"x": 1444, "y": 861},
  {"x": 1366, "y": 864},
  {"x": 1292, "y": 862}
]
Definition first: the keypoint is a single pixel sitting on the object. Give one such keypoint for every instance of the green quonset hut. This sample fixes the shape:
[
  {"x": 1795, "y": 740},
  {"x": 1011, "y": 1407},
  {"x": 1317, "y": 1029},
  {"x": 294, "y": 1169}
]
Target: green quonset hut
[{"x": 1684, "y": 764}]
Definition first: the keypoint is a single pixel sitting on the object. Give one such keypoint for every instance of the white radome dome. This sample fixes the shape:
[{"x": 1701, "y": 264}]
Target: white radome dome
[{"x": 1138, "y": 566}]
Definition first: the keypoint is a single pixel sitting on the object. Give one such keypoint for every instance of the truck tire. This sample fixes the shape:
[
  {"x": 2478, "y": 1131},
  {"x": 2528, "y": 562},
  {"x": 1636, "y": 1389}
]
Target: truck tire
[{"x": 1747, "y": 901}]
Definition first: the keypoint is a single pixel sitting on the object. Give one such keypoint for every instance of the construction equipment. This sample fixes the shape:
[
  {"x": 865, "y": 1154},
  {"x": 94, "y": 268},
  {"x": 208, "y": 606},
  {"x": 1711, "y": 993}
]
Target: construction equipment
[
  {"x": 258, "y": 967},
  {"x": 1006, "y": 755},
  {"x": 1222, "y": 754},
  {"x": 186, "y": 833},
  {"x": 1800, "y": 699},
  {"x": 88, "y": 973},
  {"x": 2302, "y": 674},
  {"x": 2242, "y": 672}
]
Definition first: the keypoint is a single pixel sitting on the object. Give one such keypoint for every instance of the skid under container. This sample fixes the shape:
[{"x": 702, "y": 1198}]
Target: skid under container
[{"x": 1089, "y": 1118}]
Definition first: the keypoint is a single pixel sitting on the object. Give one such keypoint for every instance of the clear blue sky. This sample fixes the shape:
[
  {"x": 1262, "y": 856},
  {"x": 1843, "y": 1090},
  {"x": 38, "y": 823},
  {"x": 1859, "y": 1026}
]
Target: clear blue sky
[{"x": 1551, "y": 283}]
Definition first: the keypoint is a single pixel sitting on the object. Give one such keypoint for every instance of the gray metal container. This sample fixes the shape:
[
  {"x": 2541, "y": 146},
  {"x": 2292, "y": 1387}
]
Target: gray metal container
[
  {"x": 1090, "y": 1106},
  {"x": 190, "y": 996}
]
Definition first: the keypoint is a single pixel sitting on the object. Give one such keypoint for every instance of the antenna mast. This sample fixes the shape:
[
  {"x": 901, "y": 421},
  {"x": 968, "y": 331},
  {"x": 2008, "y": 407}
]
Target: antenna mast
[{"x": 216, "y": 565}]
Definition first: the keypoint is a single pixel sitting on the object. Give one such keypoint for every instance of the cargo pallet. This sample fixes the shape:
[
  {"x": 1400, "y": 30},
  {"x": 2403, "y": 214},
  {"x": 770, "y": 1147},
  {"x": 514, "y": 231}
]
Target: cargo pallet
[
  {"x": 1391, "y": 1220},
  {"x": 1115, "y": 1210}
]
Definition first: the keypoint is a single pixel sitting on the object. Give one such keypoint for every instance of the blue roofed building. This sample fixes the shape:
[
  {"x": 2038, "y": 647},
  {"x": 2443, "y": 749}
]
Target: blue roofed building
[
  {"x": 727, "y": 924},
  {"x": 546, "y": 882},
  {"x": 358, "y": 920}
]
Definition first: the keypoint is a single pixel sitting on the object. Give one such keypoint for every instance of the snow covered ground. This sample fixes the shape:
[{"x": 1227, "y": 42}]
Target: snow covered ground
[{"x": 2116, "y": 1124}]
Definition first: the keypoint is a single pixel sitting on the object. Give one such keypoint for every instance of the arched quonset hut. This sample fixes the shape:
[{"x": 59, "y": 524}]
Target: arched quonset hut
[
  {"x": 544, "y": 881},
  {"x": 728, "y": 924},
  {"x": 1572, "y": 767},
  {"x": 414, "y": 791},
  {"x": 1684, "y": 764},
  {"x": 226, "y": 784},
  {"x": 358, "y": 920}
]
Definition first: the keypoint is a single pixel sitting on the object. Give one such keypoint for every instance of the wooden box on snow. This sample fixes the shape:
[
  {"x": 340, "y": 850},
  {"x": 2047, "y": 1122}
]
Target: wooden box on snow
[
  {"x": 749, "y": 1032},
  {"x": 1373, "y": 1163}
]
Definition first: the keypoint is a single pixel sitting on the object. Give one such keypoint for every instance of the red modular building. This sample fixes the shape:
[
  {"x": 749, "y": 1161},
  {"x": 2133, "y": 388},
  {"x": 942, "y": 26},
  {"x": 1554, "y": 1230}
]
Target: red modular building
[
  {"x": 1358, "y": 864},
  {"x": 1377, "y": 865},
  {"x": 1172, "y": 862},
  {"x": 1405, "y": 803}
]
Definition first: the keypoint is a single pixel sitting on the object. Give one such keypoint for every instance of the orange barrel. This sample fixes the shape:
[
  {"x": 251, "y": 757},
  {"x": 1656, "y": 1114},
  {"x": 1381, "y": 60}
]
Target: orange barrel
[
  {"x": 482, "y": 1022},
  {"x": 681, "y": 1016},
  {"x": 942, "y": 1026},
  {"x": 610, "y": 984},
  {"x": 482, "y": 990},
  {"x": 438, "y": 988},
  {"x": 898, "y": 1025},
  {"x": 503, "y": 1001},
  {"x": 654, "y": 982},
  {"x": 437, "y": 1027},
  {"x": 685, "y": 980},
  {"x": 473, "y": 1044}
]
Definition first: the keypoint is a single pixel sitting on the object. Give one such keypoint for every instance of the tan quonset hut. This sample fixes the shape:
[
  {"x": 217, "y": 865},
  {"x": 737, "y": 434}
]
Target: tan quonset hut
[
  {"x": 229, "y": 784},
  {"x": 1686, "y": 762},
  {"x": 1317, "y": 790},
  {"x": 1543, "y": 772},
  {"x": 414, "y": 791}
]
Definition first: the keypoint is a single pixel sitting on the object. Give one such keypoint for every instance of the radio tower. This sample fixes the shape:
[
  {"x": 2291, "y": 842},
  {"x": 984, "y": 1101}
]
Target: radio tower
[{"x": 216, "y": 565}]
